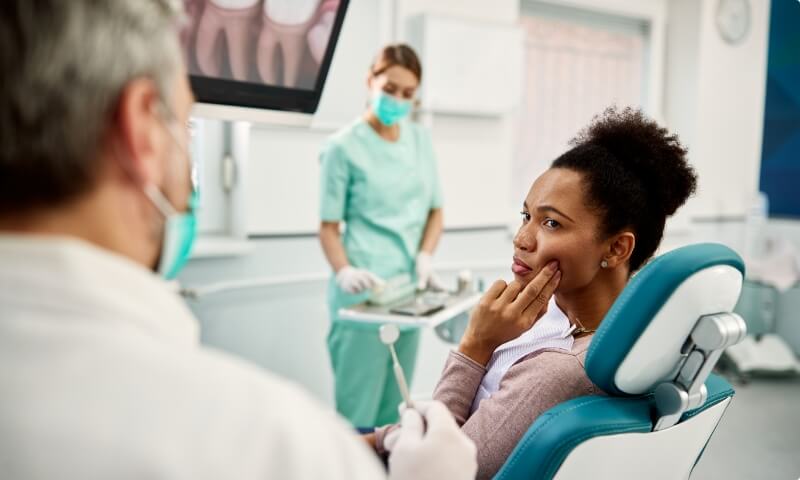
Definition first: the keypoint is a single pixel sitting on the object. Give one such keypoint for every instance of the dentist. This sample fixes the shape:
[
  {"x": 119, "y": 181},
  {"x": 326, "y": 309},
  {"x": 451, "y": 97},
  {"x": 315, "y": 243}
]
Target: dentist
[{"x": 101, "y": 371}]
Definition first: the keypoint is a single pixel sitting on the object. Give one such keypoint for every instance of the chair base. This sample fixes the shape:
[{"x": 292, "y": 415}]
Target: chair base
[{"x": 666, "y": 454}]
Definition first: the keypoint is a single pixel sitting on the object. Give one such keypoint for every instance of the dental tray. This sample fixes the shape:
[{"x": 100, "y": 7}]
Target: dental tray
[{"x": 421, "y": 309}]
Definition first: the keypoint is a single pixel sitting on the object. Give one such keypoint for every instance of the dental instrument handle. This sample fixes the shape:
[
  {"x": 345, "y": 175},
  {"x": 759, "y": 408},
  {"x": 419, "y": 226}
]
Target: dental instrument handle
[
  {"x": 401, "y": 379},
  {"x": 401, "y": 382}
]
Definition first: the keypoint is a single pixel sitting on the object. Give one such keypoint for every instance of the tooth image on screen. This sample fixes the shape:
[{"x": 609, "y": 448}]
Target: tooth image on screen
[
  {"x": 285, "y": 26},
  {"x": 188, "y": 30},
  {"x": 320, "y": 32},
  {"x": 263, "y": 55},
  {"x": 234, "y": 19}
]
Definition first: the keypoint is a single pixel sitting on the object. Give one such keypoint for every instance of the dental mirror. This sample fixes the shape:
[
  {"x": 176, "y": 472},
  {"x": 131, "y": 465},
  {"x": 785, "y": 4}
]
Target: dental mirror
[{"x": 389, "y": 334}]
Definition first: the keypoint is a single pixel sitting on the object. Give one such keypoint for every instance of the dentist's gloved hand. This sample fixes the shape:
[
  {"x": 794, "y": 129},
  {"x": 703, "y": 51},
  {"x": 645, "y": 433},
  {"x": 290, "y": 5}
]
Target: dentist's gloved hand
[
  {"x": 393, "y": 433},
  {"x": 440, "y": 451},
  {"x": 356, "y": 280},
  {"x": 426, "y": 278}
]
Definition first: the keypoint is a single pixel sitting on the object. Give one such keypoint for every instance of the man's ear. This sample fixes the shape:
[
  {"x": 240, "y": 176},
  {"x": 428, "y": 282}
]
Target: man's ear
[{"x": 139, "y": 131}]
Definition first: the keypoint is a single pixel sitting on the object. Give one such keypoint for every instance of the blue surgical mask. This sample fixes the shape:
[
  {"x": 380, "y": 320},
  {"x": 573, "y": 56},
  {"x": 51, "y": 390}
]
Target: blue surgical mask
[
  {"x": 389, "y": 109},
  {"x": 180, "y": 229}
]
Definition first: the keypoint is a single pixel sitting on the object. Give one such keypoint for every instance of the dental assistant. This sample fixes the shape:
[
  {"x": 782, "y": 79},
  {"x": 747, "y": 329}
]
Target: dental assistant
[
  {"x": 101, "y": 371},
  {"x": 379, "y": 178}
]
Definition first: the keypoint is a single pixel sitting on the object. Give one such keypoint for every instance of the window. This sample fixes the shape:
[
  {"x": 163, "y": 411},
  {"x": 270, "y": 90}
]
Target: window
[{"x": 576, "y": 64}]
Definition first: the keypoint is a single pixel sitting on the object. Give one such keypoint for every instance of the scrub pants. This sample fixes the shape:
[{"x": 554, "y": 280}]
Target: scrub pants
[{"x": 366, "y": 390}]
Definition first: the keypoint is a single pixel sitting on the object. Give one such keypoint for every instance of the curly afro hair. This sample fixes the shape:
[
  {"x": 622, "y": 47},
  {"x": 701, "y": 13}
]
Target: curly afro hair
[{"x": 635, "y": 174}]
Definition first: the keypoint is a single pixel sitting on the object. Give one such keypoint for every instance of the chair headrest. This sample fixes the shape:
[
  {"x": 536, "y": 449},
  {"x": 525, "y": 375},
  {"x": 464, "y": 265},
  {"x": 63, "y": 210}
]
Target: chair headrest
[{"x": 639, "y": 342}]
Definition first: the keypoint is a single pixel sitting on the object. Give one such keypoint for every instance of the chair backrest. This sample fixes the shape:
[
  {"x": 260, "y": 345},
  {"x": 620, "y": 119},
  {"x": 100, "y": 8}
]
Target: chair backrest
[{"x": 653, "y": 355}]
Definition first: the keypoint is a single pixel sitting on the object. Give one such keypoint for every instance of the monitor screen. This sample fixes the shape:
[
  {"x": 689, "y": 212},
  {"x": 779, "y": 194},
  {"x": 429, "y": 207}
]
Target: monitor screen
[{"x": 267, "y": 54}]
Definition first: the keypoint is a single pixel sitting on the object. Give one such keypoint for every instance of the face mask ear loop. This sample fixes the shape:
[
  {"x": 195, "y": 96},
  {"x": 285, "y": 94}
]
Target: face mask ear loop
[
  {"x": 167, "y": 117},
  {"x": 155, "y": 194},
  {"x": 160, "y": 201}
]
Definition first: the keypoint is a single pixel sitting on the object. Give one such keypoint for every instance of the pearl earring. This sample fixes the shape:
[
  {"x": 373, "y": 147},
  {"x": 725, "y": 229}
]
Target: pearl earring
[{"x": 604, "y": 264}]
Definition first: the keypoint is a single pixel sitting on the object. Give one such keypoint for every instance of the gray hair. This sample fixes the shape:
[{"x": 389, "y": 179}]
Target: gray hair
[{"x": 63, "y": 65}]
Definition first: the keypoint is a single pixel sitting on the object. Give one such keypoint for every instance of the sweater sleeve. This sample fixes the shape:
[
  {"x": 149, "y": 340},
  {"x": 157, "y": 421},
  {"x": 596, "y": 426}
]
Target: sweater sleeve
[
  {"x": 529, "y": 388},
  {"x": 458, "y": 385},
  {"x": 460, "y": 380}
]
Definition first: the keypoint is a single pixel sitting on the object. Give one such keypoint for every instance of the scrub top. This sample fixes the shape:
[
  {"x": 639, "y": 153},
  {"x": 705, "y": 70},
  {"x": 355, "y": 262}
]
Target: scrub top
[{"x": 384, "y": 192}]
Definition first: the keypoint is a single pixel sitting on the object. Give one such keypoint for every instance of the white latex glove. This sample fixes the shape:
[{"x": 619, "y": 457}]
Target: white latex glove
[
  {"x": 441, "y": 452},
  {"x": 393, "y": 434},
  {"x": 356, "y": 280},
  {"x": 426, "y": 278}
]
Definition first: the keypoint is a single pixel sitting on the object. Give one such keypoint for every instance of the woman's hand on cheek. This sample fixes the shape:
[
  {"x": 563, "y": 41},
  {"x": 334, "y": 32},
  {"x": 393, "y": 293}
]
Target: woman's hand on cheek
[{"x": 506, "y": 311}]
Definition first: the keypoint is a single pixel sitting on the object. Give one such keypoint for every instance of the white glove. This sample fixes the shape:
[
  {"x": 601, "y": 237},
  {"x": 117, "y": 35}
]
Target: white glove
[
  {"x": 443, "y": 451},
  {"x": 393, "y": 434},
  {"x": 356, "y": 280},
  {"x": 426, "y": 278}
]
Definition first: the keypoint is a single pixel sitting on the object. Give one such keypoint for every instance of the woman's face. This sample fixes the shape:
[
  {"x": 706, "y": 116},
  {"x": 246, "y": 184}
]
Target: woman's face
[
  {"x": 557, "y": 225},
  {"x": 396, "y": 81}
]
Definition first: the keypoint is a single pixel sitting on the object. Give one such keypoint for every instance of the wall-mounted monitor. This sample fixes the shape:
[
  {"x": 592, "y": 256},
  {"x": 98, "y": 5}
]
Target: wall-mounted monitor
[{"x": 260, "y": 60}]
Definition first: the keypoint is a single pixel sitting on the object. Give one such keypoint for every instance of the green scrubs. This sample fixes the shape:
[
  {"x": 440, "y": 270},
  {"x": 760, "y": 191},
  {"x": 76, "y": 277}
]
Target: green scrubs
[{"x": 383, "y": 191}]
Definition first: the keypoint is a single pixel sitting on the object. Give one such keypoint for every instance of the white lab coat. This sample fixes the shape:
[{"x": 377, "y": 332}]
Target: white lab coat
[{"x": 102, "y": 376}]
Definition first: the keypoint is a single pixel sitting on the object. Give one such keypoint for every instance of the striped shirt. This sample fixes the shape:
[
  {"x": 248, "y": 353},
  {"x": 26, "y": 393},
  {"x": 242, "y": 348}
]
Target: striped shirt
[{"x": 550, "y": 331}]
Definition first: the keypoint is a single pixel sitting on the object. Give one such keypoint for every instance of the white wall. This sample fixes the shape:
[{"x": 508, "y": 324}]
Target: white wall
[
  {"x": 475, "y": 152},
  {"x": 715, "y": 102},
  {"x": 282, "y": 183},
  {"x": 283, "y": 180},
  {"x": 495, "y": 11}
]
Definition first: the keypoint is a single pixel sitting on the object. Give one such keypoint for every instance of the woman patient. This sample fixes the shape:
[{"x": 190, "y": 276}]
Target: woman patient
[{"x": 588, "y": 223}]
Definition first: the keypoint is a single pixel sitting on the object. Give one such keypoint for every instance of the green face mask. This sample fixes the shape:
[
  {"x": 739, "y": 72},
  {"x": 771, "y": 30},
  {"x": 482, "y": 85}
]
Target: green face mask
[
  {"x": 180, "y": 229},
  {"x": 388, "y": 109}
]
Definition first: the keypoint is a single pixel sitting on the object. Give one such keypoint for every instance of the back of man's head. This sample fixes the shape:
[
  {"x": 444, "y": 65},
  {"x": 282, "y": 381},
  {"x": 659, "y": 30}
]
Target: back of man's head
[{"x": 63, "y": 64}]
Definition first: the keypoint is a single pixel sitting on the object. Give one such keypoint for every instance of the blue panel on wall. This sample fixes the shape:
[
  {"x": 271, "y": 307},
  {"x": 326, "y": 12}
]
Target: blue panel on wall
[{"x": 780, "y": 155}]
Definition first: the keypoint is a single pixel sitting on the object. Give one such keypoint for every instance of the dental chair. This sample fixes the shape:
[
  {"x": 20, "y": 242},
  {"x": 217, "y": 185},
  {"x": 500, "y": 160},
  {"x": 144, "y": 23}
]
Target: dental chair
[{"x": 653, "y": 354}]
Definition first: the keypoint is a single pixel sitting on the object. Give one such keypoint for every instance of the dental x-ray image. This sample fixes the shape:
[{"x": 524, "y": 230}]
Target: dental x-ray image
[{"x": 279, "y": 43}]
